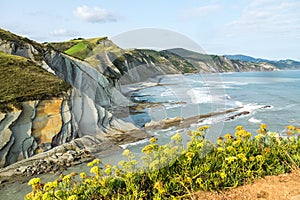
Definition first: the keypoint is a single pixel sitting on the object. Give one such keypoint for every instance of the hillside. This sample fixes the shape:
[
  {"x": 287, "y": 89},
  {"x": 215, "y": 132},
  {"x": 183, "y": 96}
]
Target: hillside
[
  {"x": 22, "y": 80},
  {"x": 124, "y": 66},
  {"x": 280, "y": 64},
  {"x": 213, "y": 63}
]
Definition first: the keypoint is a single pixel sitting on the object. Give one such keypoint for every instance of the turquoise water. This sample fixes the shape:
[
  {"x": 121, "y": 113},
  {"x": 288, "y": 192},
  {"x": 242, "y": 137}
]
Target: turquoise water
[{"x": 204, "y": 94}]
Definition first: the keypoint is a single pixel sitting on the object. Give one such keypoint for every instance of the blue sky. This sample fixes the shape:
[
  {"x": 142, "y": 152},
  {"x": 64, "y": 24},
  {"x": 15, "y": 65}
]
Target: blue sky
[{"x": 260, "y": 28}]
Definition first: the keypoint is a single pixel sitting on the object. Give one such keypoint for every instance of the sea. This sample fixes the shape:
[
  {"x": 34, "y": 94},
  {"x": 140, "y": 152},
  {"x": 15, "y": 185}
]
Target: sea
[{"x": 272, "y": 98}]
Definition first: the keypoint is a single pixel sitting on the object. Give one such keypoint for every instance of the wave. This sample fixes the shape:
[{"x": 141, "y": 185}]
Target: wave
[
  {"x": 255, "y": 121},
  {"x": 171, "y": 106},
  {"x": 199, "y": 96},
  {"x": 125, "y": 146}
]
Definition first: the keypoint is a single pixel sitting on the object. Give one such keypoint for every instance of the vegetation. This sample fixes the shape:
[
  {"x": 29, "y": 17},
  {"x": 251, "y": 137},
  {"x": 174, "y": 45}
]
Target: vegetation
[
  {"x": 21, "y": 80},
  {"x": 163, "y": 58},
  {"x": 78, "y": 48},
  {"x": 173, "y": 172}
]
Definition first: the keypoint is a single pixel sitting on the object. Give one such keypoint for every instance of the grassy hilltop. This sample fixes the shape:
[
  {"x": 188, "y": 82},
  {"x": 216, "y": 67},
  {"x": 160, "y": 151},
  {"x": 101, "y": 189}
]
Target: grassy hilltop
[{"x": 21, "y": 79}]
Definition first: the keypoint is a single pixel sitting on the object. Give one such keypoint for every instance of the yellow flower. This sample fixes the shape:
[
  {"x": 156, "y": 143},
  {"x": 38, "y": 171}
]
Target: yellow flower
[
  {"x": 203, "y": 128},
  {"x": 220, "y": 141},
  {"x": 220, "y": 149},
  {"x": 129, "y": 175},
  {"x": 241, "y": 133},
  {"x": 88, "y": 181},
  {"x": 267, "y": 150},
  {"x": 177, "y": 137},
  {"x": 259, "y": 157},
  {"x": 228, "y": 136},
  {"x": 95, "y": 170},
  {"x": 147, "y": 149},
  {"x": 239, "y": 128},
  {"x": 126, "y": 152},
  {"x": 73, "y": 197},
  {"x": 189, "y": 155},
  {"x": 230, "y": 159},
  {"x": 34, "y": 181},
  {"x": 242, "y": 157},
  {"x": 237, "y": 142},
  {"x": 108, "y": 171},
  {"x": 153, "y": 140},
  {"x": 263, "y": 126},
  {"x": 50, "y": 185},
  {"x": 94, "y": 162},
  {"x": 29, "y": 195},
  {"x": 46, "y": 196},
  {"x": 223, "y": 175},
  {"x": 83, "y": 175},
  {"x": 67, "y": 178},
  {"x": 258, "y": 136},
  {"x": 230, "y": 148},
  {"x": 248, "y": 135},
  {"x": 292, "y": 128},
  {"x": 158, "y": 185}
]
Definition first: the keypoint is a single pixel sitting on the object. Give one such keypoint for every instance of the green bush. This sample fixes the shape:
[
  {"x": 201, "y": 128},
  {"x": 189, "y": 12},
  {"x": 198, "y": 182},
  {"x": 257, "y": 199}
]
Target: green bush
[{"x": 173, "y": 172}]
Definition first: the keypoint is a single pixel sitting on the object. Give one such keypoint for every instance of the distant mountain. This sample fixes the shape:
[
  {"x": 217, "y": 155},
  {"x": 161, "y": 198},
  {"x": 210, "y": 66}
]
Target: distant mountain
[
  {"x": 281, "y": 64},
  {"x": 213, "y": 63}
]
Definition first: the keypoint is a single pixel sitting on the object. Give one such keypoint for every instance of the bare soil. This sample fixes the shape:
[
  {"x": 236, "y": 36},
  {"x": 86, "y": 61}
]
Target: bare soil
[{"x": 282, "y": 187}]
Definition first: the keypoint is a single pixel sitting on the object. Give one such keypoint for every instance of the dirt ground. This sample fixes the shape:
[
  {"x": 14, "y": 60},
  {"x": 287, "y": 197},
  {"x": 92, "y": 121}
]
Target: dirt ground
[{"x": 282, "y": 187}]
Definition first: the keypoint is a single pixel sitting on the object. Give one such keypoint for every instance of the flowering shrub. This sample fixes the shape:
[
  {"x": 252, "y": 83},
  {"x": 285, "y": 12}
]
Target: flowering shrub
[{"x": 173, "y": 172}]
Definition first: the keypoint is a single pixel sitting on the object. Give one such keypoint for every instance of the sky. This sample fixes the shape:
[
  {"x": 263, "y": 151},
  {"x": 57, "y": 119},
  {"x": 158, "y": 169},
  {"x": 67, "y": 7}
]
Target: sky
[{"x": 260, "y": 28}]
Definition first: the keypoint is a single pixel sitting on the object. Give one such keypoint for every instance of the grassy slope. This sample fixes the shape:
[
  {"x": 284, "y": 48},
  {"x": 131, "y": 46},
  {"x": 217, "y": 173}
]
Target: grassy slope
[
  {"x": 21, "y": 80},
  {"x": 8, "y": 36},
  {"x": 78, "y": 48}
]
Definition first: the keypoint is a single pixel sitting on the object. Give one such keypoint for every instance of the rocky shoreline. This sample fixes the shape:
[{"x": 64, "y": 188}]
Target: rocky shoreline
[{"x": 58, "y": 159}]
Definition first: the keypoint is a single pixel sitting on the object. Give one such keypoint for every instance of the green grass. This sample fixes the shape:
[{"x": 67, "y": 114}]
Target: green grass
[
  {"x": 22, "y": 80},
  {"x": 78, "y": 48}
]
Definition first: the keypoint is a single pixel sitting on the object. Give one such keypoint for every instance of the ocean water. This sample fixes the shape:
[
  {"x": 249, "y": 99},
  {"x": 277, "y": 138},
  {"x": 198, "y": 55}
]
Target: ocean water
[{"x": 269, "y": 97}]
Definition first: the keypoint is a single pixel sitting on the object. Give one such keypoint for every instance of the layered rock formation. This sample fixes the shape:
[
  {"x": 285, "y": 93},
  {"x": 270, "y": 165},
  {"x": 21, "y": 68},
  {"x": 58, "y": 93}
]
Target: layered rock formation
[{"x": 45, "y": 123}]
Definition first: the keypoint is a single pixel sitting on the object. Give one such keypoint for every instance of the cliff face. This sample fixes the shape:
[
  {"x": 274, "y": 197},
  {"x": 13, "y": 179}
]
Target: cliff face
[{"x": 42, "y": 124}]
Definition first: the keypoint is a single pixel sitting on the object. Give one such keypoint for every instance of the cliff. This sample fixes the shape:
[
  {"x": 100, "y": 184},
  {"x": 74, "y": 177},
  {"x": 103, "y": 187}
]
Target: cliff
[
  {"x": 43, "y": 108},
  {"x": 217, "y": 64}
]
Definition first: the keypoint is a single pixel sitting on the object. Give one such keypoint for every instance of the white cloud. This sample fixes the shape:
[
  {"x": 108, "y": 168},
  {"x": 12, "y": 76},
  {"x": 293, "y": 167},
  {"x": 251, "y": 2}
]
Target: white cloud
[
  {"x": 267, "y": 17},
  {"x": 94, "y": 15},
  {"x": 202, "y": 11},
  {"x": 62, "y": 32}
]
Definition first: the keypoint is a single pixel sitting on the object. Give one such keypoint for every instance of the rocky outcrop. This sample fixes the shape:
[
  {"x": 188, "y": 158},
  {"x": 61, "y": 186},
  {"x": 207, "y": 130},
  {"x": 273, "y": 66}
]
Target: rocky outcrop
[
  {"x": 42, "y": 125},
  {"x": 164, "y": 124}
]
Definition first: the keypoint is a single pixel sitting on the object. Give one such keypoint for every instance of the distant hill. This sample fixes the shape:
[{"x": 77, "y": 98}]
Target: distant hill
[
  {"x": 281, "y": 64},
  {"x": 206, "y": 63}
]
